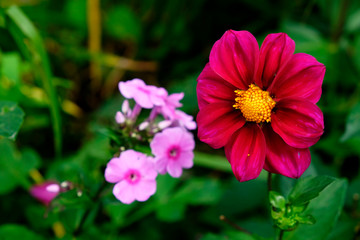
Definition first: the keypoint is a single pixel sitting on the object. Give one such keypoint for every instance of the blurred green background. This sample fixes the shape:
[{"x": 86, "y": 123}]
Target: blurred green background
[{"x": 61, "y": 62}]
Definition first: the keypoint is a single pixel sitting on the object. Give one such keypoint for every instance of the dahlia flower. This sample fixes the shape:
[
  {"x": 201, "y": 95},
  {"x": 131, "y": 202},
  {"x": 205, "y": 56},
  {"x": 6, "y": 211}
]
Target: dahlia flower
[
  {"x": 260, "y": 104},
  {"x": 134, "y": 175}
]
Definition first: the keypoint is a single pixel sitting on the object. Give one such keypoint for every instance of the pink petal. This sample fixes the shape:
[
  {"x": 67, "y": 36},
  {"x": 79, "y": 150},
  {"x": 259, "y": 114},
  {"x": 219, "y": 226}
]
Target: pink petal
[
  {"x": 124, "y": 192},
  {"x": 217, "y": 122},
  {"x": 186, "y": 159},
  {"x": 174, "y": 169},
  {"x": 246, "y": 152},
  {"x": 301, "y": 77},
  {"x": 114, "y": 172},
  {"x": 211, "y": 88},
  {"x": 144, "y": 189},
  {"x": 148, "y": 171},
  {"x": 234, "y": 57},
  {"x": 275, "y": 51},
  {"x": 144, "y": 100},
  {"x": 282, "y": 158},
  {"x": 299, "y": 123},
  {"x": 160, "y": 164},
  {"x": 187, "y": 142}
]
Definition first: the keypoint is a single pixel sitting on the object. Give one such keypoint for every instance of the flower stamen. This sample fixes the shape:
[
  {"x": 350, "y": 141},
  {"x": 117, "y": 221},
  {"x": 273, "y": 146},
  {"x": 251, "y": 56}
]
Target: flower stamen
[{"x": 255, "y": 104}]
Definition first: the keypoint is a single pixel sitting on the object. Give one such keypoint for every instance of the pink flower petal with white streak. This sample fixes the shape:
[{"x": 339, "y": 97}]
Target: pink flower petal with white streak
[
  {"x": 217, "y": 122},
  {"x": 234, "y": 57},
  {"x": 246, "y": 152},
  {"x": 275, "y": 51},
  {"x": 301, "y": 77},
  {"x": 299, "y": 123},
  {"x": 282, "y": 158}
]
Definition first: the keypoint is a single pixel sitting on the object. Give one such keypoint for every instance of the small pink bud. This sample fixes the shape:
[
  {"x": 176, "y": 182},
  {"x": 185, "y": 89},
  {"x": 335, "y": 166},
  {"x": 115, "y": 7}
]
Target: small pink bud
[
  {"x": 119, "y": 118},
  {"x": 45, "y": 192},
  {"x": 125, "y": 107},
  {"x": 143, "y": 126}
]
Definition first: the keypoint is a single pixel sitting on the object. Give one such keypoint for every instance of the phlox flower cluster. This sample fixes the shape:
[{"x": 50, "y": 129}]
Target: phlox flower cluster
[{"x": 166, "y": 128}]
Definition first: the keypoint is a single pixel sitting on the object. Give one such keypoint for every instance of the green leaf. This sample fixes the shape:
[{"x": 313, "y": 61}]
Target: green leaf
[
  {"x": 352, "y": 128},
  {"x": 211, "y": 236},
  {"x": 30, "y": 43},
  {"x": 14, "y": 167},
  {"x": 277, "y": 200},
  {"x": 12, "y": 231},
  {"x": 199, "y": 191},
  {"x": 326, "y": 209},
  {"x": 10, "y": 67},
  {"x": 11, "y": 118},
  {"x": 171, "y": 212},
  {"x": 308, "y": 188},
  {"x": 353, "y": 22},
  {"x": 118, "y": 211},
  {"x": 212, "y": 161}
]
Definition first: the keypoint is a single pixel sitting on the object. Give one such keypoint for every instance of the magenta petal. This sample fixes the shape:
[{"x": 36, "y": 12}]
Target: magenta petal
[
  {"x": 282, "y": 158},
  {"x": 299, "y": 123},
  {"x": 275, "y": 51},
  {"x": 302, "y": 77},
  {"x": 234, "y": 57},
  {"x": 217, "y": 122},
  {"x": 246, "y": 152},
  {"x": 211, "y": 88}
]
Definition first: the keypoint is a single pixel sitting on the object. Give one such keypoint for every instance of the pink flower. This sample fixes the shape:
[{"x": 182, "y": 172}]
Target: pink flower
[
  {"x": 45, "y": 192},
  {"x": 134, "y": 175},
  {"x": 173, "y": 150},
  {"x": 177, "y": 117},
  {"x": 146, "y": 96},
  {"x": 260, "y": 105}
]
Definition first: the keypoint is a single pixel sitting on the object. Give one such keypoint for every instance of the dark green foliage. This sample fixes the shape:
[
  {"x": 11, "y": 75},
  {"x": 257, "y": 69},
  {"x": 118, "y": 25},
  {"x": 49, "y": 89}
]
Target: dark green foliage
[{"x": 62, "y": 115}]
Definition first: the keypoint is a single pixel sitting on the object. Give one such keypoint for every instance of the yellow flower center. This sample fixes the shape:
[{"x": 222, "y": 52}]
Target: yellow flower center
[{"x": 255, "y": 104}]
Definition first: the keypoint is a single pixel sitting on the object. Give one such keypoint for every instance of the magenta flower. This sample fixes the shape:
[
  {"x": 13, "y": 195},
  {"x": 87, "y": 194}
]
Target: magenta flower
[
  {"x": 45, "y": 192},
  {"x": 146, "y": 96},
  {"x": 173, "y": 150},
  {"x": 260, "y": 104},
  {"x": 134, "y": 175}
]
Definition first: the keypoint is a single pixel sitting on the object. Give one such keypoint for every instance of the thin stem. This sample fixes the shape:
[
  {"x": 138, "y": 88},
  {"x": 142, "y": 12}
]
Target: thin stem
[
  {"x": 281, "y": 234},
  {"x": 88, "y": 211},
  {"x": 269, "y": 182},
  {"x": 234, "y": 225}
]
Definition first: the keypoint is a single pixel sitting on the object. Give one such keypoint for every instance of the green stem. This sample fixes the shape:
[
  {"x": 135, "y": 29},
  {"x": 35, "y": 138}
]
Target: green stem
[
  {"x": 269, "y": 182},
  {"x": 281, "y": 234}
]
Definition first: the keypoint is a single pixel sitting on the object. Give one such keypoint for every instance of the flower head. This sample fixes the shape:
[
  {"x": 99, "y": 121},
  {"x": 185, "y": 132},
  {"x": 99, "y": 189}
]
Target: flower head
[
  {"x": 173, "y": 150},
  {"x": 134, "y": 175},
  {"x": 260, "y": 104},
  {"x": 45, "y": 192}
]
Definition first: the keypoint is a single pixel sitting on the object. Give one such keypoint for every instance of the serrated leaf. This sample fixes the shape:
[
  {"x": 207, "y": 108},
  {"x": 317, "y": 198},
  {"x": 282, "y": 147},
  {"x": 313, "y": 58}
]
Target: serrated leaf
[
  {"x": 11, "y": 118},
  {"x": 326, "y": 209},
  {"x": 308, "y": 188}
]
